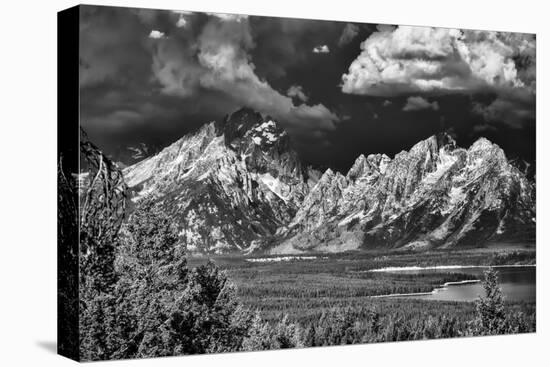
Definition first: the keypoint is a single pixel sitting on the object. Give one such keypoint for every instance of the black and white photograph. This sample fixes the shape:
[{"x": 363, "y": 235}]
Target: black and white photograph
[{"x": 241, "y": 183}]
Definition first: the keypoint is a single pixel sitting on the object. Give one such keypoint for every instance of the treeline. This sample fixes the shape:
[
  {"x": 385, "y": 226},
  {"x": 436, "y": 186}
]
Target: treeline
[
  {"x": 139, "y": 298},
  {"x": 367, "y": 325},
  {"x": 347, "y": 326},
  {"x": 143, "y": 300},
  {"x": 513, "y": 257},
  {"x": 346, "y": 285}
]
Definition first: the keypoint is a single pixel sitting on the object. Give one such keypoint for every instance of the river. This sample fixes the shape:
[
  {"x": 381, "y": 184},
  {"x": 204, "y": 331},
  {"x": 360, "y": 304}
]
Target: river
[{"x": 518, "y": 283}]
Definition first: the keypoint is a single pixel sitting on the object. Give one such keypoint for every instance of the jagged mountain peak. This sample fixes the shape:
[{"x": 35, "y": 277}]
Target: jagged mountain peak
[
  {"x": 267, "y": 133},
  {"x": 331, "y": 177},
  {"x": 485, "y": 145},
  {"x": 238, "y": 123},
  {"x": 434, "y": 195},
  {"x": 445, "y": 139},
  {"x": 245, "y": 130},
  {"x": 483, "y": 150},
  {"x": 366, "y": 166},
  {"x": 229, "y": 185},
  {"x": 358, "y": 167},
  {"x": 175, "y": 160},
  {"x": 434, "y": 143},
  {"x": 482, "y": 143},
  {"x": 329, "y": 173},
  {"x": 237, "y": 185}
]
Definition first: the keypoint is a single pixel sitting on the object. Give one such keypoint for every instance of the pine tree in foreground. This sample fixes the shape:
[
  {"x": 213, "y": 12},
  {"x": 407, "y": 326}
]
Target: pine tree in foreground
[
  {"x": 167, "y": 308},
  {"x": 491, "y": 317}
]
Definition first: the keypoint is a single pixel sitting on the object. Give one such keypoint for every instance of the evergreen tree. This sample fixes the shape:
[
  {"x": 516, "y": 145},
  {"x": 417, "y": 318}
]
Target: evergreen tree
[
  {"x": 168, "y": 309},
  {"x": 374, "y": 320},
  {"x": 341, "y": 329},
  {"x": 286, "y": 334},
  {"x": 310, "y": 336},
  {"x": 260, "y": 335},
  {"x": 491, "y": 318},
  {"x": 101, "y": 211}
]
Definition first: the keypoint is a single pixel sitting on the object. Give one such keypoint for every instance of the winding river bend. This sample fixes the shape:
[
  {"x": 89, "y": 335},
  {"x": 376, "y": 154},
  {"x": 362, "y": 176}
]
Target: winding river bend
[{"x": 518, "y": 283}]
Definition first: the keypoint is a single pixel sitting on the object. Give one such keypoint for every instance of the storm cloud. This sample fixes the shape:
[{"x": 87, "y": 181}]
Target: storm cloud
[{"x": 147, "y": 77}]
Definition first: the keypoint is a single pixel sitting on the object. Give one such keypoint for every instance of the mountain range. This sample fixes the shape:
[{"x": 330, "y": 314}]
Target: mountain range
[{"x": 238, "y": 186}]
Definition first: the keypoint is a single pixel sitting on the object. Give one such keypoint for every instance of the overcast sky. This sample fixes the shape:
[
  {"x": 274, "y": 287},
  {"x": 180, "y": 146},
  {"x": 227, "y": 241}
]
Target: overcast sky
[{"x": 340, "y": 89}]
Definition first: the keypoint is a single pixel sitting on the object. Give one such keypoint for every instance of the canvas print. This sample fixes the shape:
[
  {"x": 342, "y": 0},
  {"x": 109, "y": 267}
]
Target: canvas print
[{"x": 235, "y": 182}]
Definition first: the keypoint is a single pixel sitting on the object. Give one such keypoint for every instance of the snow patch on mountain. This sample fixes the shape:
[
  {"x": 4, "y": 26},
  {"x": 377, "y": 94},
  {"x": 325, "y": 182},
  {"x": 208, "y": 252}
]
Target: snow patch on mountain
[
  {"x": 273, "y": 184},
  {"x": 444, "y": 163},
  {"x": 238, "y": 186}
]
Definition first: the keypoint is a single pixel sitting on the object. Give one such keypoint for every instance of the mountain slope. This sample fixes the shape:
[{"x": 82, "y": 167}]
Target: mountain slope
[
  {"x": 229, "y": 186},
  {"x": 433, "y": 195},
  {"x": 238, "y": 186}
]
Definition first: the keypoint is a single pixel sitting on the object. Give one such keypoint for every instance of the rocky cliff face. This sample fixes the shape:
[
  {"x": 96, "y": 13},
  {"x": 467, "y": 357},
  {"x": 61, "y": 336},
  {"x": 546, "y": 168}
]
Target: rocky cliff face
[
  {"x": 229, "y": 186},
  {"x": 435, "y": 195},
  {"x": 238, "y": 186}
]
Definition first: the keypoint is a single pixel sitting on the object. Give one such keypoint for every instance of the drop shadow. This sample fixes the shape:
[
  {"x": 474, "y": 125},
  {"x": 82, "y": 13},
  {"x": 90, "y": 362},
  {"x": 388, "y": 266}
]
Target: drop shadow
[{"x": 48, "y": 345}]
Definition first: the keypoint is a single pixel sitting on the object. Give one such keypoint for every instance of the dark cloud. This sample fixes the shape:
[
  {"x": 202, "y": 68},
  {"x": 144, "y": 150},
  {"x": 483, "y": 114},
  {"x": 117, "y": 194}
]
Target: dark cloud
[
  {"x": 434, "y": 61},
  {"x": 138, "y": 91},
  {"x": 220, "y": 60},
  {"x": 283, "y": 44},
  {"x": 483, "y": 128},
  {"x": 206, "y": 63},
  {"x": 516, "y": 110},
  {"x": 113, "y": 47}
]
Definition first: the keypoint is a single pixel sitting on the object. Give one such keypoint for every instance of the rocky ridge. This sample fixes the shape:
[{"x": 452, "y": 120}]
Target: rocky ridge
[
  {"x": 238, "y": 186},
  {"x": 229, "y": 186}
]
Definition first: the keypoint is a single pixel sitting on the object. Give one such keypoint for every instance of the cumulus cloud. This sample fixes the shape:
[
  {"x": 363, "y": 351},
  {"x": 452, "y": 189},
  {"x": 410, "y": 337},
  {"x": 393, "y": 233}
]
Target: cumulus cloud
[
  {"x": 506, "y": 109},
  {"x": 156, "y": 34},
  {"x": 219, "y": 60},
  {"x": 425, "y": 60},
  {"x": 321, "y": 49},
  {"x": 419, "y": 103},
  {"x": 298, "y": 92},
  {"x": 349, "y": 32},
  {"x": 175, "y": 70}
]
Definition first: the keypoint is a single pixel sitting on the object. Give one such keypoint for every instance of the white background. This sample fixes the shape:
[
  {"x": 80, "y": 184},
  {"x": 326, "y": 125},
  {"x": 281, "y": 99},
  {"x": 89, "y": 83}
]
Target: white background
[{"x": 28, "y": 181}]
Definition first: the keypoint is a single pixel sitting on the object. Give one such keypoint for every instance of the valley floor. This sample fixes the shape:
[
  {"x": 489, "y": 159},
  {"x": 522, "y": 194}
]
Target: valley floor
[{"x": 304, "y": 288}]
